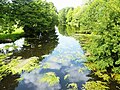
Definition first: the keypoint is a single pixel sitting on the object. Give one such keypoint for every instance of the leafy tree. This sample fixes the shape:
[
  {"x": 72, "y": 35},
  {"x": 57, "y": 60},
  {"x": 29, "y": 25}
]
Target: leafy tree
[
  {"x": 34, "y": 16},
  {"x": 62, "y": 15},
  {"x": 76, "y": 17},
  {"x": 69, "y": 16},
  {"x": 6, "y": 25},
  {"x": 102, "y": 18}
]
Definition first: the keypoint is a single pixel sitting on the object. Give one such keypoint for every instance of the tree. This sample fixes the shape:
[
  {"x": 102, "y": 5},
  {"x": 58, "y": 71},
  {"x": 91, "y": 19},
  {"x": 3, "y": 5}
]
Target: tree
[
  {"x": 76, "y": 17},
  {"x": 102, "y": 18},
  {"x": 6, "y": 24},
  {"x": 62, "y": 15},
  {"x": 69, "y": 16},
  {"x": 35, "y": 16}
]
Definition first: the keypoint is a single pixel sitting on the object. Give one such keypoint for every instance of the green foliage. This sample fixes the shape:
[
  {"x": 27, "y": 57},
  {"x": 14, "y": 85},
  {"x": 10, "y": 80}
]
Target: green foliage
[
  {"x": 101, "y": 20},
  {"x": 18, "y": 65},
  {"x": 69, "y": 16},
  {"x": 117, "y": 77},
  {"x": 76, "y": 17},
  {"x": 72, "y": 86},
  {"x": 101, "y": 74},
  {"x": 62, "y": 16},
  {"x": 67, "y": 30},
  {"x": 6, "y": 25},
  {"x": 12, "y": 36},
  {"x": 4, "y": 69},
  {"x": 50, "y": 78},
  {"x": 98, "y": 85},
  {"x": 34, "y": 16}
]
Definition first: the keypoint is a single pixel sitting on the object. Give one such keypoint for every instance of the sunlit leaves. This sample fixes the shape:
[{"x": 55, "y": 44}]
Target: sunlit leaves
[
  {"x": 35, "y": 15},
  {"x": 98, "y": 85},
  {"x": 4, "y": 69},
  {"x": 118, "y": 62},
  {"x": 102, "y": 19},
  {"x": 117, "y": 77},
  {"x": 101, "y": 74},
  {"x": 18, "y": 65},
  {"x": 62, "y": 15},
  {"x": 69, "y": 16},
  {"x": 72, "y": 86}
]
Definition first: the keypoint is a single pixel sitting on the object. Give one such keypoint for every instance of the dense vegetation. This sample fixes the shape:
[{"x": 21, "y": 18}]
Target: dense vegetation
[
  {"x": 35, "y": 16},
  {"x": 100, "y": 19},
  {"x": 96, "y": 25},
  {"x": 28, "y": 57},
  {"x": 32, "y": 17}
]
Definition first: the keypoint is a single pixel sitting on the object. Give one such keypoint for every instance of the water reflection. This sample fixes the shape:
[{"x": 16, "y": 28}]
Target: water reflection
[
  {"x": 38, "y": 47},
  {"x": 67, "y": 30},
  {"x": 9, "y": 83},
  {"x": 65, "y": 60},
  {"x": 26, "y": 48}
]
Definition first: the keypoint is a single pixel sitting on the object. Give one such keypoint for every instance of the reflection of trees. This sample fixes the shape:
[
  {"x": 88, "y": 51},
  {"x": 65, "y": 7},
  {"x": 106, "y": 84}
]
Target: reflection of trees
[
  {"x": 9, "y": 83},
  {"x": 67, "y": 30},
  {"x": 101, "y": 84},
  {"x": 62, "y": 29},
  {"x": 34, "y": 47},
  {"x": 38, "y": 47}
]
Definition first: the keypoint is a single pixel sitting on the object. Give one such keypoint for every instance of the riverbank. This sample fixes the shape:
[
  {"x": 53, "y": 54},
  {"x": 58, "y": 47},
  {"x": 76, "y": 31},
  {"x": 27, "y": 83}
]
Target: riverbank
[{"x": 7, "y": 38}]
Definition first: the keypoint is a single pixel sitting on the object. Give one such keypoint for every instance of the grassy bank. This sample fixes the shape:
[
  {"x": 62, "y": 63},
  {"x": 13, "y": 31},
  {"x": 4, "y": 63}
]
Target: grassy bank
[{"x": 13, "y": 36}]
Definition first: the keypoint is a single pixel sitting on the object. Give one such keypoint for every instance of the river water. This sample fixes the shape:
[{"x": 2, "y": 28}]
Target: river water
[{"x": 63, "y": 60}]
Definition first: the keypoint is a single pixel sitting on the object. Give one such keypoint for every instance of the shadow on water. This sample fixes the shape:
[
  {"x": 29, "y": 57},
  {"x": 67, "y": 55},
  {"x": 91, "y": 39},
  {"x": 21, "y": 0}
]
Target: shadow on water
[
  {"x": 38, "y": 47},
  {"x": 9, "y": 83}
]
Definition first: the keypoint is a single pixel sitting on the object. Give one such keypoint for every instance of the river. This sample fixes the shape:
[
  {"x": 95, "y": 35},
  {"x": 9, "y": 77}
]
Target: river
[{"x": 62, "y": 66}]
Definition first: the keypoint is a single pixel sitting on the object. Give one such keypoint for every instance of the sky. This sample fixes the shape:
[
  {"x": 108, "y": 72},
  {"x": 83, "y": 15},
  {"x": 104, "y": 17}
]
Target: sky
[{"x": 66, "y": 3}]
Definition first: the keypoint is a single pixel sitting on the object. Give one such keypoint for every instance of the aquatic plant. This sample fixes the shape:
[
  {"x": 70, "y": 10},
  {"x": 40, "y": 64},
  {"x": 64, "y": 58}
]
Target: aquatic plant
[
  {"x": 66, "y": 76},
  {"x": 50, "y": 78},
  {"x": 98, "y": 85},
  {"x": 4, "y": 69},
  {"x": 18, "y": 65},
  {"x": 72, "y": 86}
]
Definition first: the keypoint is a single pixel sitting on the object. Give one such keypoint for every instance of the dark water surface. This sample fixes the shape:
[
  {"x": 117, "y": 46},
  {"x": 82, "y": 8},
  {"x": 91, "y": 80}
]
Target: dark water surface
[{"x": 63, "y": 57}]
